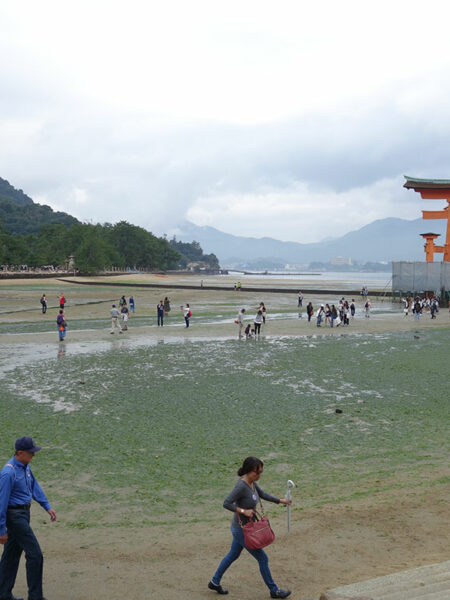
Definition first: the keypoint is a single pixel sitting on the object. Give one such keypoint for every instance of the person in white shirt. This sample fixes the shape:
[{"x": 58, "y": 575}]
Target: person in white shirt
[
  {"x": 240, "y": 320},
  {"x": 187, "y": 313}
]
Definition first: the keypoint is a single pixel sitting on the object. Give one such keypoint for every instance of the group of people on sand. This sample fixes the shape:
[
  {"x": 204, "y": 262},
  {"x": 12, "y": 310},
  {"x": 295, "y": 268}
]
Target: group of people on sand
[
  {"x": 418, "y": 305},
  {"x": 120, "y": 316},
  {"x": 326, "y": 314},
  {"x": 258, "y": 320},
  {"x": 333, "y": 315}
]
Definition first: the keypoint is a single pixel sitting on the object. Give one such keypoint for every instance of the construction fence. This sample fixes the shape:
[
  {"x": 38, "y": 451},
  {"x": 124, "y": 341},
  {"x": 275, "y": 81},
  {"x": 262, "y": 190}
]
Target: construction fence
[{"x": 411, "y": 278}]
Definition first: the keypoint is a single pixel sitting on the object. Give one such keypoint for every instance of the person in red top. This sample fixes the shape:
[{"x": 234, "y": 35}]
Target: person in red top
[{"x": 62, "y": 301}]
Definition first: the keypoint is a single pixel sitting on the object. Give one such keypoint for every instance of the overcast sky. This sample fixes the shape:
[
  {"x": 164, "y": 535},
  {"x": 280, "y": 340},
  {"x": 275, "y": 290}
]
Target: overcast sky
[{"x": 286, "y": 119}]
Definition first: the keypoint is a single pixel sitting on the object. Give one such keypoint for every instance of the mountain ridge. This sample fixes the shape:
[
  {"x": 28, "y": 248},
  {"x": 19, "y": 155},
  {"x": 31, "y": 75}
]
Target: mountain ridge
[{"x": 383, "y": 240}]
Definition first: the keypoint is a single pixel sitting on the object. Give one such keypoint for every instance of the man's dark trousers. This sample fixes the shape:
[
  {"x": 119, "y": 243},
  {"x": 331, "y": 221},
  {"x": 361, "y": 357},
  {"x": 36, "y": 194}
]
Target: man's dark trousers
[{"x": 21, "y": 539}]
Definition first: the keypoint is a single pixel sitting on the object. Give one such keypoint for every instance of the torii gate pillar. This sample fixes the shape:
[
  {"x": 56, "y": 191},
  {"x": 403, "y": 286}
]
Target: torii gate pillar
[
  {"x": 430, "y": 247},
  {"x": 434, "y": 189}
]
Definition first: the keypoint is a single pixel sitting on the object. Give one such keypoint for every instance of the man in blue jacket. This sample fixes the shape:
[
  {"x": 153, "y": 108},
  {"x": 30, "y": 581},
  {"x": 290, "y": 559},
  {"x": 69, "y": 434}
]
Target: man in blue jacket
[{"x": 18, "y": 488}]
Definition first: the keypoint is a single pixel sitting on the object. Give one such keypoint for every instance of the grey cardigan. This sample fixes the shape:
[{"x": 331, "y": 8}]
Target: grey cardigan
[{"x": 243, "y": 496}]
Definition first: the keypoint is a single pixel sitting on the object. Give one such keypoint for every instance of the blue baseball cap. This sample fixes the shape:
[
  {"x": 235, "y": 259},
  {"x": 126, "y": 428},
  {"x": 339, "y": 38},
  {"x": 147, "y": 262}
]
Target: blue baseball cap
[{"x": 27, "y": 444}]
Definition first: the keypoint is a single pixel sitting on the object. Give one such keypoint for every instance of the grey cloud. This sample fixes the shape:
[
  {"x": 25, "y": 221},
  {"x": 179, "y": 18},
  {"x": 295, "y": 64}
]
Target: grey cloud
[{"x": 133, "y": 166}]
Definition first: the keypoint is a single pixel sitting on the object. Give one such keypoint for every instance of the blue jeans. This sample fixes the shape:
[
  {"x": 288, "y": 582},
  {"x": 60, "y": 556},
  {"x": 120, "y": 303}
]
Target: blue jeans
[
  {"x": 62, "y": 334},
  {"x": 237, "y": 545},
  {"x": 21, "y": 539}
]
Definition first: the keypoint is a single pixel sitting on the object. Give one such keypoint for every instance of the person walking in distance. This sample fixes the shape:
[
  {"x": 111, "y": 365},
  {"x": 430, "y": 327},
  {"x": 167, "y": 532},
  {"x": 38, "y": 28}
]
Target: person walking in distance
[
  {"x": 44, "y": 304},
  {"x": 240, "y": 320},
  {"x": 242, "y": 501},
  {"x": 62, "y": 301},
  {"x": 300, "y": 299},
  {"x": 18, "y": 487},
  {"x": 263, "y": 309},
  {"x": 124, "y": 314},
  {"x": 258, "y": 321},
  {"x": 417, "y": 309},
  {"x": 309, "y": 311},
  {"x": 166, "y": 306},
  {"x": 115, "y": 323},
  {"x": 187, "y": 313},
  {"x": 160, "y": 313},
  {"x": 61, "y": 325}
]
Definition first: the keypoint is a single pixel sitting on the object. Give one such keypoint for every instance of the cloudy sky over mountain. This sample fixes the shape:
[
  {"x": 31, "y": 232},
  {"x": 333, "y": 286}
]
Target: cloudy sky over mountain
[{"x": 286, "y": 119}]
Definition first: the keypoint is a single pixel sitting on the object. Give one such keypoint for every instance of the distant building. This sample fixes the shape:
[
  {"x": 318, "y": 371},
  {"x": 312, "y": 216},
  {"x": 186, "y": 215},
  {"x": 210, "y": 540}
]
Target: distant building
[{"x": 341, "y": 261}]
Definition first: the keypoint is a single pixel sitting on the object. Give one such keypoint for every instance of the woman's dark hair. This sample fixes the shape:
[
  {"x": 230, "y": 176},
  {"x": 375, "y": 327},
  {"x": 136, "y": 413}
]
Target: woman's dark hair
[{"x": 251, "y": 463}]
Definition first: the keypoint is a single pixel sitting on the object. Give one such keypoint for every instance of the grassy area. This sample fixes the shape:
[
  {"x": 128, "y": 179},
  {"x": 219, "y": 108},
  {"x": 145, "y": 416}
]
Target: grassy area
[{"x": 134, "y": 435}]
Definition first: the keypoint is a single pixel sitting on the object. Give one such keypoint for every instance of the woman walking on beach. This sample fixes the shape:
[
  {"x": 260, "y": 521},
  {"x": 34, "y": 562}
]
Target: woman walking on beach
[
  {"x": 309, "y": 311},
  {"x": 242, "y": 501}
]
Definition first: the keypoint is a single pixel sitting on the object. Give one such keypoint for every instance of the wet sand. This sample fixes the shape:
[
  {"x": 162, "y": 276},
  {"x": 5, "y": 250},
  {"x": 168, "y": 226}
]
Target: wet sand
[{"x": 213, "y": 311}]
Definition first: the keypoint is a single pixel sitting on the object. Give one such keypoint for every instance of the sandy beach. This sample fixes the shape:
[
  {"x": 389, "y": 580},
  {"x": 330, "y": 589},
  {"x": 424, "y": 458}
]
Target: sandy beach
[{"x": 339, "y": 542}]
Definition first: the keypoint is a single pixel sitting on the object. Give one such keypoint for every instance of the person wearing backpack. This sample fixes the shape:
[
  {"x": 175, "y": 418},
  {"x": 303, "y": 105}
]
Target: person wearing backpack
[
  {"x": 18, "y": 487},
  {"x": 61, "y": 324}
]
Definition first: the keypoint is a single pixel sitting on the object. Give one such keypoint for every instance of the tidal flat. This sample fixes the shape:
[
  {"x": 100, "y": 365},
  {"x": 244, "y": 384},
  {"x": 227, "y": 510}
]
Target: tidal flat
[
  {"x": 142, "y": 434},
  {"x": 163, "y": 426}
]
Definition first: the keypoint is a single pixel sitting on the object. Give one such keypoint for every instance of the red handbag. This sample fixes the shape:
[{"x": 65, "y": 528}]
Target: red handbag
[{"x": 257, "y": 533}]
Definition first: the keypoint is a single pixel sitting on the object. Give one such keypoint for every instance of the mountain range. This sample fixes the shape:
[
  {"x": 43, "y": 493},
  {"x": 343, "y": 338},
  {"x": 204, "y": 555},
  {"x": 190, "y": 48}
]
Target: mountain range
[{"x": 384, "y": 240}]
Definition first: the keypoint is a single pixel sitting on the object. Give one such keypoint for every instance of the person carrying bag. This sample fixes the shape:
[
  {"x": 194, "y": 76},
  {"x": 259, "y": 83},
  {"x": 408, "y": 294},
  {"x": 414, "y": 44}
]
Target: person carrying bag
[
  {"x": 248, "y": 531},
  {"x": 257, "y": 533}
]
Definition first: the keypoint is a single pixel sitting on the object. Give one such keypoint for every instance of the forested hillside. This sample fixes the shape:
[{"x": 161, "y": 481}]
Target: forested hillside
[
  {"x": 34, "y": 235},
  {"x": 192, "y": 252},
  {"x": 8, "y": 192},
  {"x": 29, "y": 218},
  {"x": 94, "y": 247}
]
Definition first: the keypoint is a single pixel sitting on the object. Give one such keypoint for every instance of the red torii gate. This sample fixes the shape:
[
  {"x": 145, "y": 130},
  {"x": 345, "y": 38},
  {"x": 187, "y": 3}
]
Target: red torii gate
[{"x": 433, "y": 189}]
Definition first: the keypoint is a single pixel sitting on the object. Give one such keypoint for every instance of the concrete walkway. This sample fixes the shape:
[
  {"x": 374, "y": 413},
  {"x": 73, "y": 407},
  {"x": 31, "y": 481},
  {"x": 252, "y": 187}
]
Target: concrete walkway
[{"x": 431, "y": 582}]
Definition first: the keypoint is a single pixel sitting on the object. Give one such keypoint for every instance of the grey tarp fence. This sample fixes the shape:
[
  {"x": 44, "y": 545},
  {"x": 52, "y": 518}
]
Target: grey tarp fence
[{"x": 419, "y": 277}]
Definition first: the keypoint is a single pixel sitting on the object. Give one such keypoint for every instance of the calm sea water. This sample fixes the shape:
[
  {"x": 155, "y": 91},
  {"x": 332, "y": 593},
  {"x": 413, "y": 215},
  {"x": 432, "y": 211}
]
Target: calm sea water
[{"x": 378, "y": 280}]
